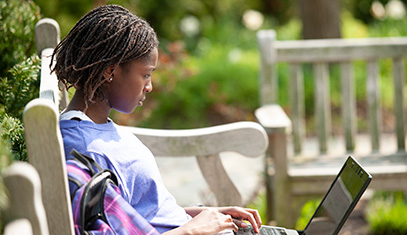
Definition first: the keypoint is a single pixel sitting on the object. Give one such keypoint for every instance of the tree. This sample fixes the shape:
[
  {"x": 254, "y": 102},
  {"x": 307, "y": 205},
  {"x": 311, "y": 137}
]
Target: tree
[{"x": 320, "y": 18}]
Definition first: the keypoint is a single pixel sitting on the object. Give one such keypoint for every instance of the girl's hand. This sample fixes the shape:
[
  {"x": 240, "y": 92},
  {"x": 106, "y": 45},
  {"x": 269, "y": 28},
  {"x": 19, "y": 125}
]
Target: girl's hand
[
  {"x": 208, "y": 222},
  {"x": 240, "y": 214}
]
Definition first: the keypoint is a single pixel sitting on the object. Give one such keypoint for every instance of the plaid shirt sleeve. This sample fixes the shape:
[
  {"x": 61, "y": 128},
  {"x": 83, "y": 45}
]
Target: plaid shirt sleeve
[{"x": 119, "y": 216}]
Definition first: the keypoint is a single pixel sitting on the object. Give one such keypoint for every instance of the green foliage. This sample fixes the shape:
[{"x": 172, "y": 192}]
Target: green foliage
[
  {"x": 352, "y": 27},
  {"x": 306, "y": 213},
  {"x": 5, "y": 157},
  {"x": 18, "y": 71},
  {"x": 290, "y": 31},
  {"x": 11, "y": 130},
  {"x": 388, "y": 28},
  {"x": 15, "y": 93},
  {"x": 18, "y": 75},
  {"x": 386, "y": 213},
  {"x": 21, "y": 86},
  {"x": 18, "y": 18},
  {"x": 5, "y": 160}
]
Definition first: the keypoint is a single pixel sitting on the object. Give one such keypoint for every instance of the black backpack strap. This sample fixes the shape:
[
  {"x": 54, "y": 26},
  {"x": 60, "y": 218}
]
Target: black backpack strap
[
  {"x": 87, "y": 161},
  {"x": 92, "y": 202}
]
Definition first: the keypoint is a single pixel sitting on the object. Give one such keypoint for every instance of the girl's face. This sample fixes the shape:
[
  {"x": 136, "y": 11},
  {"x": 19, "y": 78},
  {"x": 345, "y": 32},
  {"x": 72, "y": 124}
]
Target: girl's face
[{"x": 131, "y": 82}]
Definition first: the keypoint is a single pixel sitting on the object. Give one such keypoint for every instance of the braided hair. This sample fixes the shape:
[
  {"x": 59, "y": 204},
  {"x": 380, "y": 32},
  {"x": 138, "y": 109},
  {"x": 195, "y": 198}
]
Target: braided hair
[{"x": 106, "y": 36}]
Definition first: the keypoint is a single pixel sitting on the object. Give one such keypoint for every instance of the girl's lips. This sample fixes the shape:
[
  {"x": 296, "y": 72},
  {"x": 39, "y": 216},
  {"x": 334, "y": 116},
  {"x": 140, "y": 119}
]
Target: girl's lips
[{"x": 140, "y": 102}]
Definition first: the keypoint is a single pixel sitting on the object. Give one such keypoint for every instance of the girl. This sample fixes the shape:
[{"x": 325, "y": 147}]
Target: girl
[{"x": 109, "y": 57}]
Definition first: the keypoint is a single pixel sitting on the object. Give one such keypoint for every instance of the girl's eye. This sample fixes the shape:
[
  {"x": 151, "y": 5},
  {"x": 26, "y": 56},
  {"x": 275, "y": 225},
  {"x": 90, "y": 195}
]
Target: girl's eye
[{"x": 147, "y": 76}]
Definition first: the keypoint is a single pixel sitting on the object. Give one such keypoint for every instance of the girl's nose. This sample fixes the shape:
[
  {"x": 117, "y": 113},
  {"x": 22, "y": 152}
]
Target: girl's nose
[{"x": 148, "y": 88}]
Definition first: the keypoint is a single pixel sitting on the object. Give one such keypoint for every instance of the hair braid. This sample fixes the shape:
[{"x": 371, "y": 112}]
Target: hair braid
[{"x": 108, "y": 35}]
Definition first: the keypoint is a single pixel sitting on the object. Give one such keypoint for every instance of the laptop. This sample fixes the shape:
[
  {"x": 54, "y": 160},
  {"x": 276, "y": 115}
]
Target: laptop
[{"x": 336, "y": 206}]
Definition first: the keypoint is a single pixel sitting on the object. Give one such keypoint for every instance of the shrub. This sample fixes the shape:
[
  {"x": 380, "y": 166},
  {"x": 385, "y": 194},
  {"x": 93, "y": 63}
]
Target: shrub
[
  {"x": 15, "y": 93},
  {"x": 18, "y": 69},
  {"x": 20, "y": 86},
  {"x": 12, "y": 130}
]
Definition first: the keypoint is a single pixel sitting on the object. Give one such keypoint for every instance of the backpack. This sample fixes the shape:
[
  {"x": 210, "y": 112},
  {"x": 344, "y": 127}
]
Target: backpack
[{"x": 97, "y": 205}]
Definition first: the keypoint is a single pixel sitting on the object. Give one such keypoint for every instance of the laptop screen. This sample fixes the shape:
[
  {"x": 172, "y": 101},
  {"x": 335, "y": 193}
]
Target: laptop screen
[{"x": 340, "y": 200}]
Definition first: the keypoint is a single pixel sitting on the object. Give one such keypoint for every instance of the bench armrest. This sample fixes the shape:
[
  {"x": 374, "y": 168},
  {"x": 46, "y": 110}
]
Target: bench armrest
[
  {"x": 205, "y": 141},
  {"x": 273, "y": 119}
]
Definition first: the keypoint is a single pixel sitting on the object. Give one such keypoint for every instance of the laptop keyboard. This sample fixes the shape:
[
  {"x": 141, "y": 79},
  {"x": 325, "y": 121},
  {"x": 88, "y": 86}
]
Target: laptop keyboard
[{"x": 263, "y": 231}]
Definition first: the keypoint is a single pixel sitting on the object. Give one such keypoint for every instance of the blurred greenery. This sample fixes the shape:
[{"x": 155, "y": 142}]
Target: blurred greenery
[
  {"x": 307, "y": 212},
  {"x": 386, "y": 213}
]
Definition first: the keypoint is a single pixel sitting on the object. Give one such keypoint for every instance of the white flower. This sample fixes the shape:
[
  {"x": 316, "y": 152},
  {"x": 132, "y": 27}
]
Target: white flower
[
  {"x": 190, "y": 26},
  {"x": 395, "y": 9},
  {"x": 377, "y": 10},
  {"x": 253, "y": 19}
]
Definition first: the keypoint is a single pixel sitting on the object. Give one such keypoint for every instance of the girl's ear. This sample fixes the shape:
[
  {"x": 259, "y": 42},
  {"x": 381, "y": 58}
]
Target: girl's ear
[{"x": 108, "y": 74}]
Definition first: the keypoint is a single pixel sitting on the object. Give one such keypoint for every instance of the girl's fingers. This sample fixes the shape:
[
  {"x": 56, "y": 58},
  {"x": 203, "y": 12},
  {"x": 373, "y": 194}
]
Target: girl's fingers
[
  {"x": 239, "y": 222},
  {"x": 231, "y": 223}
]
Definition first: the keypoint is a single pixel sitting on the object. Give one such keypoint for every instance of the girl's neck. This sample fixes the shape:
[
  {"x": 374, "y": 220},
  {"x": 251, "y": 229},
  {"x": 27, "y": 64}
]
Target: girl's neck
[{"x": 97, "y": 112}]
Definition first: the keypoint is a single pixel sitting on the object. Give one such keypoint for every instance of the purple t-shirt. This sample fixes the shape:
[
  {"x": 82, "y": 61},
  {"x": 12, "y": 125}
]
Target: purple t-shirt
[{"x": 140, "y": 183}]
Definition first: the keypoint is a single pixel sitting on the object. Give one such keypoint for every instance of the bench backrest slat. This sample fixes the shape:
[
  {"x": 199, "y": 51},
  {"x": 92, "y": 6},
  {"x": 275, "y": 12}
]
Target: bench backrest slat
[
  {"x": 399, "y": 108},
  {"x": 298, "y": 105},
  {"x": 348, "y": 105},
  {"x": 373, "y": 101}
]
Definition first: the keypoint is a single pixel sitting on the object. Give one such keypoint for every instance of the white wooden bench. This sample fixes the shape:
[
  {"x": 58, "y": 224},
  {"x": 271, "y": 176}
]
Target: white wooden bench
[
  {"x": 295, "y": 175},
  {"x": 45, "y": 146}
]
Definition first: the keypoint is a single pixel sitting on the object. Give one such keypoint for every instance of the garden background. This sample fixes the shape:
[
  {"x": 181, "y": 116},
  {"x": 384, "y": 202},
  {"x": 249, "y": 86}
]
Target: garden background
[{"x": 208, "y": 64}]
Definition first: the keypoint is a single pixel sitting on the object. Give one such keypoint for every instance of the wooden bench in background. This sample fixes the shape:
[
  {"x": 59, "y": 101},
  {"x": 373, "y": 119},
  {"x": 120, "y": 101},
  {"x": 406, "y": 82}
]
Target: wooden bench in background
[
  {"x": 45, "y": 146},
  {"x": 293, "y": 174}
]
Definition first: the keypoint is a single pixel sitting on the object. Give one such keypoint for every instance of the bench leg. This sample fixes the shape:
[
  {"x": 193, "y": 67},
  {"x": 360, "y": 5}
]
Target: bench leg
[{"x": 277, "y": 181}]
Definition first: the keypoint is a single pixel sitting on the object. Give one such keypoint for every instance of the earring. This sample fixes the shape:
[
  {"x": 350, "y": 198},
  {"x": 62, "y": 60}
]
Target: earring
[{"x": 110, "y": 79}]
